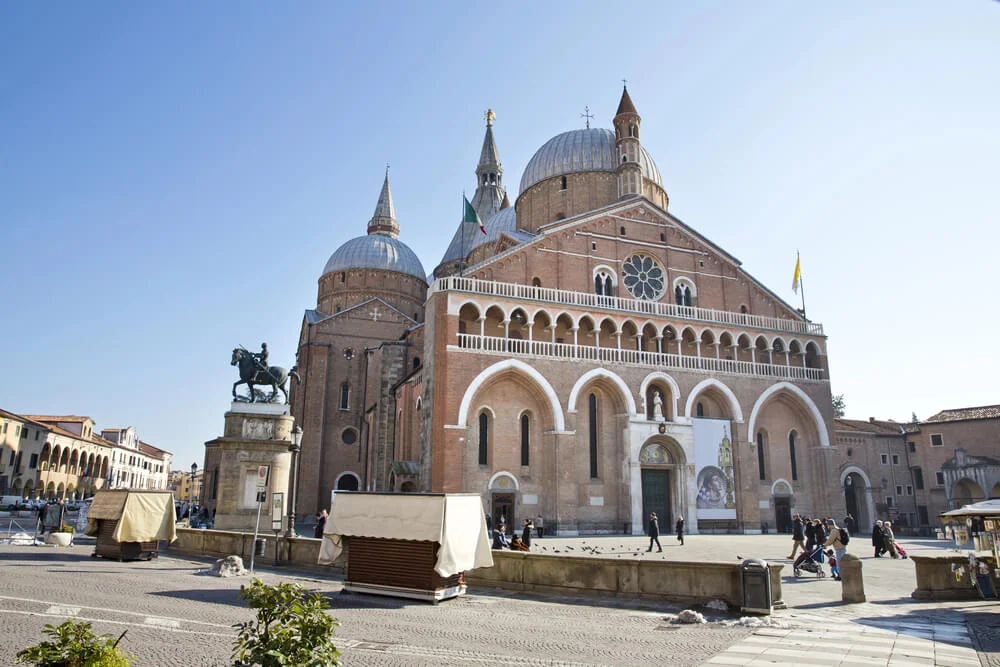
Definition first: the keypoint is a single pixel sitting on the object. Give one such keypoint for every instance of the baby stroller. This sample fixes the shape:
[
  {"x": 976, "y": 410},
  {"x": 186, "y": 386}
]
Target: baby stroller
[{"x": 811, "y": 561}]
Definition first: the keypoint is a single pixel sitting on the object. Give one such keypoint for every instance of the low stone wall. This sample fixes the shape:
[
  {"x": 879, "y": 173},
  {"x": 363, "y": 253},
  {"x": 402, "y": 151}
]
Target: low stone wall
[
  {"x": 298, "y": 551},
  {"x": 653, "y": 579},
  {"x": 936, "y": 581}
]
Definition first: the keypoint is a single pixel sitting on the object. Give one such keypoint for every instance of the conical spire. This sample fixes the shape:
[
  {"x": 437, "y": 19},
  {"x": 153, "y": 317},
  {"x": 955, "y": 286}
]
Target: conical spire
[
  {"x": 505, "y": 203},
  {"x": 384, "y": 220},
  {"x": 625, "y": 105},
  {"x": 489, "y": 175}
]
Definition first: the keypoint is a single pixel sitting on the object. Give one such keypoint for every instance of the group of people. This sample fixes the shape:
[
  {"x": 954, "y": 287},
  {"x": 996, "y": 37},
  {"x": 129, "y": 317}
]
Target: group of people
[
  {"x": 814, "y": 535},
  {"x": 884, "y": 541},
  {"x": 654, "y": 531},
  {"x": 516, "y": 542}
]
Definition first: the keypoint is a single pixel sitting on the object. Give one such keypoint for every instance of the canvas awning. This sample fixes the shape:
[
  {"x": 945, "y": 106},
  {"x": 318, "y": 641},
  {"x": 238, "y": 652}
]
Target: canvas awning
[
  {"x": 453, "y": 520},
  {"x": 986, "y": 508},
  {"x": 143, "y": 516}
]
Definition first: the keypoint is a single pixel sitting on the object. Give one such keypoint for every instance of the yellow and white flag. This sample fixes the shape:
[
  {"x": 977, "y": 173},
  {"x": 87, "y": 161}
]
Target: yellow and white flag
[{"x": 797, "y": 278}]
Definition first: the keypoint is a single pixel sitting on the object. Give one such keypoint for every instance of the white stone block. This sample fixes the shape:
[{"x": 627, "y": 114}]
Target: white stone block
[
  {"x": 529, "y": 499},
  {"x": 597, "y": 501}
]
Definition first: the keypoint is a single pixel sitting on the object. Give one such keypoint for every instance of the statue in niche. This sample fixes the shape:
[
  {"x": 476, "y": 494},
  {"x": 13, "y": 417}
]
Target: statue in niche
[{"x": 658, "y": 407}]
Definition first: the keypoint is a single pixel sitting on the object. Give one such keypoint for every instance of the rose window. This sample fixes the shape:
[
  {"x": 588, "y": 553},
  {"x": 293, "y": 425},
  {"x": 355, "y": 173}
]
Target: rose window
[{"x": 643, "y": 277}]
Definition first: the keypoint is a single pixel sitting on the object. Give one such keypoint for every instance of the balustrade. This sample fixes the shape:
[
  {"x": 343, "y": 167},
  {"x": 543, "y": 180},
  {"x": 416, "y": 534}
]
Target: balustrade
[{"x": 537, "y": 348}]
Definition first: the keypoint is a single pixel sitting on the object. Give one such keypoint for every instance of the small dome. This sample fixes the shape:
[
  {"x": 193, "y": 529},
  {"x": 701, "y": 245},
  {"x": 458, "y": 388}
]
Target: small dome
[
  {"x": 376, "y": 251},
  {"x": 503, "y": 221},
  {"x": 591, "y": 149}
]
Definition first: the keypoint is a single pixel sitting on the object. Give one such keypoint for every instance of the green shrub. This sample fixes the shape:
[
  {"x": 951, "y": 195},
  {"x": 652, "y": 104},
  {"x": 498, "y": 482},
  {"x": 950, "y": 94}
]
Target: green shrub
[
  {"x": 66, "y": 528},
  {"x": 75, "y": 645},
  {"x": 292, "y": 628}
]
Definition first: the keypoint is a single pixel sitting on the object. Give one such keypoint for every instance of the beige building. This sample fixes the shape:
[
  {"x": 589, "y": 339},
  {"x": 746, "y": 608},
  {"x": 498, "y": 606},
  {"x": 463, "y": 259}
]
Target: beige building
[
  {"x": 589, "y": 359},
  {"x": 46, "y": 456},
  {"x": 181, "y": 485}
]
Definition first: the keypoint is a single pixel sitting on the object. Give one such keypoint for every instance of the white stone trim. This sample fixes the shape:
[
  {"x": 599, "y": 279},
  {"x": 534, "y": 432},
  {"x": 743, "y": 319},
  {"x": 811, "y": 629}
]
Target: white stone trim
[
  {"x": 608, "y": 375},
  {"x": 607, "y": 269},
  {"x": 498, "y": 475},
  {"x": 782, "y": 480},
  {"x": 511, "y": 365},
  {"x": 824, "y": 437},
  {"x": 734, "y": 404},
  {"x": 685, "y": 281},
  {"x": 336, "y": 482}
]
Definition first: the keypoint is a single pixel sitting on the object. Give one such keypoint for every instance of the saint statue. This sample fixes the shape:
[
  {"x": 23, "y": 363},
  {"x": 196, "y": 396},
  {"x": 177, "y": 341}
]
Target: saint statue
[{"x": 657, "y": 407}]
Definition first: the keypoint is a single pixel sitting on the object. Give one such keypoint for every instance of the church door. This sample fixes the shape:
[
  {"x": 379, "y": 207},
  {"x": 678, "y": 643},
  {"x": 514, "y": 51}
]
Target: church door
[
  {"x": 656, "y": 498},
  {"x": 783, "y": 514},
  {"x": 503, "y": 511}
]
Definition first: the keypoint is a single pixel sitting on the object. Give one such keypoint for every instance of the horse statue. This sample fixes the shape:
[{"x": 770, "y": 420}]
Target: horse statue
[{"x": 252, "y": 372}]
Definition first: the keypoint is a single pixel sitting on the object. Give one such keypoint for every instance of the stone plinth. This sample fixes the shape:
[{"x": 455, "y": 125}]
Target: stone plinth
[
  {"x": 852, "y": 583},
  {"x": 936, "y": 580},
  {"x": 255, "y": 434}
]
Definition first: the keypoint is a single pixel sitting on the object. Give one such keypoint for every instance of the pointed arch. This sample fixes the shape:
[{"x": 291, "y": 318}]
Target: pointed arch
[
  {"x": 511, "y": 365},
  {"x": 734, "y": 404},
  {"x": 821, "y": 430},
  {"x": 608, "y": 375}
]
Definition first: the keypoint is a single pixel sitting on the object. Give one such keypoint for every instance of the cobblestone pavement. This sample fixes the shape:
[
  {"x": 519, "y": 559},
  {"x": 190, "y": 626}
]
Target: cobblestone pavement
[{"x": 176, "y": 617}]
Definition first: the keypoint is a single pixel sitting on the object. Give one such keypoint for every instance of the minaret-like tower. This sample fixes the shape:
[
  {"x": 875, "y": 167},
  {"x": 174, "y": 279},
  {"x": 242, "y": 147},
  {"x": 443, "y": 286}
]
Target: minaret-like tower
[
  {"x": 384, "y": 220},
  {"x": 489, "y": 175},
  {"x": 627, "y": 122}
]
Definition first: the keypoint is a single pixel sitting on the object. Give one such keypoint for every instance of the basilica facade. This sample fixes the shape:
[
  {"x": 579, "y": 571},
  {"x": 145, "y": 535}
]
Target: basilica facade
[{"x": 588, "y": 360}]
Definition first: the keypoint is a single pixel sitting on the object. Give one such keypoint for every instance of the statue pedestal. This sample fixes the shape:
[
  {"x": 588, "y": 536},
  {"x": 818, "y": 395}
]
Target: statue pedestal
[{"x": 255, "y": 435}]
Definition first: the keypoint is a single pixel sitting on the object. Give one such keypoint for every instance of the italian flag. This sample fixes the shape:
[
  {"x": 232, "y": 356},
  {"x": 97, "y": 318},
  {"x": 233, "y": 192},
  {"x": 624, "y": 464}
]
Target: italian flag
[{"x": 472, "y": 216}]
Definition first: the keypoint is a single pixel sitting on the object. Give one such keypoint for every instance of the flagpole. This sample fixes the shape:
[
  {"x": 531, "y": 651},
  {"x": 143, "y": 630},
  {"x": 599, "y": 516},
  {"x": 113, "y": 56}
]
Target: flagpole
[
  {"x": 461, "y": 230},
  {"x": 802, "y": 286}
]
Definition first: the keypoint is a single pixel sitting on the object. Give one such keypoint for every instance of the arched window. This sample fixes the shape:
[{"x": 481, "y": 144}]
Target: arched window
[
  {"x": 603, "y": 284},
  {"x": 633, "y": 131},
  {"x": 743, "y": 309},
  {"x": 663, "y": 237},
  {"x": 622, "y": 230},
  {"x": 761, "y": 456},
  {"x": 592, "y": 404},
  {"x": 525, "y": 427},
  {"x": 700, "y": 410},
  {"x": 536, "y": 282},
  {"x": 484, "y": 434},
  {"x": 343, "y": 277},
  {"x": 345, "y": 396},
  {"x": 791, "y": 455},
  {"x": 563, "y": 183},
  {"x": 682, "y": 295},
  {"x": 416, "y": 362}
]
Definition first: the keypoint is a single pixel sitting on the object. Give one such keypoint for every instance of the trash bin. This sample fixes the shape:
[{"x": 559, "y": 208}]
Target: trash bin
[
  {"x": 259, "y": 545},
  {"x": 756, "y": 586}
]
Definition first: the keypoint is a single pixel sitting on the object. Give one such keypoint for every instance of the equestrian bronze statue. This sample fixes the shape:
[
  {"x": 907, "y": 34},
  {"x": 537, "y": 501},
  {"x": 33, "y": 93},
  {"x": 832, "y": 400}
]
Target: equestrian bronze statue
[{"x": 253, "y": 372}]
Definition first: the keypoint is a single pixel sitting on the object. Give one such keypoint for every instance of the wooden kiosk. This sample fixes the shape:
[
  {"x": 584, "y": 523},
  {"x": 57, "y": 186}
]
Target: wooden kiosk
[
  {"x": 129, "y": 524},
  {"x": 411, "y": 545}
]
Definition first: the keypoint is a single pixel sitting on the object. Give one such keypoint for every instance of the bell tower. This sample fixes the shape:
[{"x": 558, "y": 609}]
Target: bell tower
[
  {"x": 490, "y": 194},
  {"x": 627, "y": 122}
]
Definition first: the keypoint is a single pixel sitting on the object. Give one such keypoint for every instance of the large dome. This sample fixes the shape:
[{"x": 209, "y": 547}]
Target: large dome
[
  {"x": 376, "y": 251},
  {"x": 591, "y": 149}
]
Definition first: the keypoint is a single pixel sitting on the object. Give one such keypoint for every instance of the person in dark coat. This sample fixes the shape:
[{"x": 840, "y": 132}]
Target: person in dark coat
[
  {"x": 850, "y": 524},
  {"x": 320, "y": 523},
  {"x": 798, "y": 536},
  {"x": 878, "y": 539},
  {"x": 489, "y": 524},
  {"x": 654, "y": 532},
  {"x": 679, "y": 527},
  {"x": 500, "y": 540},
  {"x": 810, "y": 532},
  {"x": 526, "y": 533}
]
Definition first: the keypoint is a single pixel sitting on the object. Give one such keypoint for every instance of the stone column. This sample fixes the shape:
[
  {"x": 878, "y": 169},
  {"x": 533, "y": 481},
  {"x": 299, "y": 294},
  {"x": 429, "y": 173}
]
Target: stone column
[{"x": 851, "y": 580}]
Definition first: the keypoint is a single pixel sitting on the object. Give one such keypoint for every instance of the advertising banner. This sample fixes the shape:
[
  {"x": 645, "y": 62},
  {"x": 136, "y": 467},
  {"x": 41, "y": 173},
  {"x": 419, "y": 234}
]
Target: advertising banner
[{"x": 713, "y": 458}]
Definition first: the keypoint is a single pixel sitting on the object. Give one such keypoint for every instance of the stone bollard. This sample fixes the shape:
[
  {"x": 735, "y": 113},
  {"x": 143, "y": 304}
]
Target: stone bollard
[{"x": 851, "y": 580}]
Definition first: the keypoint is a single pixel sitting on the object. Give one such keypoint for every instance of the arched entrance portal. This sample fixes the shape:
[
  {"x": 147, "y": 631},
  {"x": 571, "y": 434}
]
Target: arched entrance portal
[
  {"x": 966, "y": 492},
  {"x": 856, "y": 500},
  {"x": 503, "y": 494},
  {"x": 662, "y": 483}
]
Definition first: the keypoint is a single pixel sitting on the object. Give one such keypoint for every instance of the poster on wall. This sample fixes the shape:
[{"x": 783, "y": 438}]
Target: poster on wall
[{"x": 713, "y": 460}]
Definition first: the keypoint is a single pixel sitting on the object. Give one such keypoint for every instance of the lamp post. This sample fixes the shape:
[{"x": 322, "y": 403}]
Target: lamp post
[
  {"x": 294, "y": 476},
  {"x": 190, "y": 512}
]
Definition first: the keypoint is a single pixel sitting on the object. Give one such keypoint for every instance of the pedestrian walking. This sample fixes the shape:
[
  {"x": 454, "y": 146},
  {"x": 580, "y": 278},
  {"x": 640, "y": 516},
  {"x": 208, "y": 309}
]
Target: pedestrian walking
[
  {"x": 654, "y": 532},
  {"x": 539, "y": 526},
  {"x": 810, "y": 533},
  {"x": 526, "y": 533},
  {"x": 320, "y": 523},
  {"x": 679, "y": 527},
  {"x": 850, "y": 524},
  {"x": 889, "y": 539},
  {"x": 798, "y": 536},
  {"x": 878, "y": 539},
  {"x": 839, "y": 543}
]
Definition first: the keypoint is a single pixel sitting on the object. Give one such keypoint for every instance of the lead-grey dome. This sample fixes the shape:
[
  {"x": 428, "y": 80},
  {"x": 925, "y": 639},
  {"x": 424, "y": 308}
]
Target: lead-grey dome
[
  {"x": 376, "y": 251},
  {"x": 590, "y": 149}
]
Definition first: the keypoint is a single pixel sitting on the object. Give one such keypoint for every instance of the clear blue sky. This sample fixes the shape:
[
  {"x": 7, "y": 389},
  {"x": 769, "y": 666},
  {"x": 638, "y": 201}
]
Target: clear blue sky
[{"x": 148, "y": 148}]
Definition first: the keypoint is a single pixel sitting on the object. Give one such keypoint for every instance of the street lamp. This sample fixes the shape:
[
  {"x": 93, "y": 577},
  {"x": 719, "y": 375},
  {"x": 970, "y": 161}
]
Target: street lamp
[
  {"x": 294, "y": 448},
  {"x": 194, "y": 469}
]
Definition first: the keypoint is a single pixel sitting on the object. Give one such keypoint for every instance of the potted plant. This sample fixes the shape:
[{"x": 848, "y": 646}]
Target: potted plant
[{"x": 62, "y": 537}]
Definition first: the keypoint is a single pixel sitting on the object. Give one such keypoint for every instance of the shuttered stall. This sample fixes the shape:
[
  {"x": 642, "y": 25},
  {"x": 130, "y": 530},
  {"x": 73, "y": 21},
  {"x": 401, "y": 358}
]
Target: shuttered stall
[{"x": 129, "y": 524}]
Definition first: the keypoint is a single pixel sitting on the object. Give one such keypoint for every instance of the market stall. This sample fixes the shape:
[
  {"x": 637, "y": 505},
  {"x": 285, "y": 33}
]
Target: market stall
[
  {"x": 129, "y": 524},
  {"x": 978, "y": 523},
  {"x": 413, "y": 545}
]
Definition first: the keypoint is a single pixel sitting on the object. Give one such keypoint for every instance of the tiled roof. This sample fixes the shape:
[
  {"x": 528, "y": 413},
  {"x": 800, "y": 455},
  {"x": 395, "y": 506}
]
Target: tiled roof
[
  {"x": 879, "y": 427},
  {"x": 963, "y": 414},
  {"x": 150, "y": 450},
  {"x": 58, "y": 418}
]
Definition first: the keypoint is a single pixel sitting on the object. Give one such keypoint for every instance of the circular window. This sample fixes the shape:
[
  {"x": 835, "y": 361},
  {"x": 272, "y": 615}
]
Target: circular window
[
  {"x": 349, "y": 436},
  {"x": 643, "y": 277}
]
